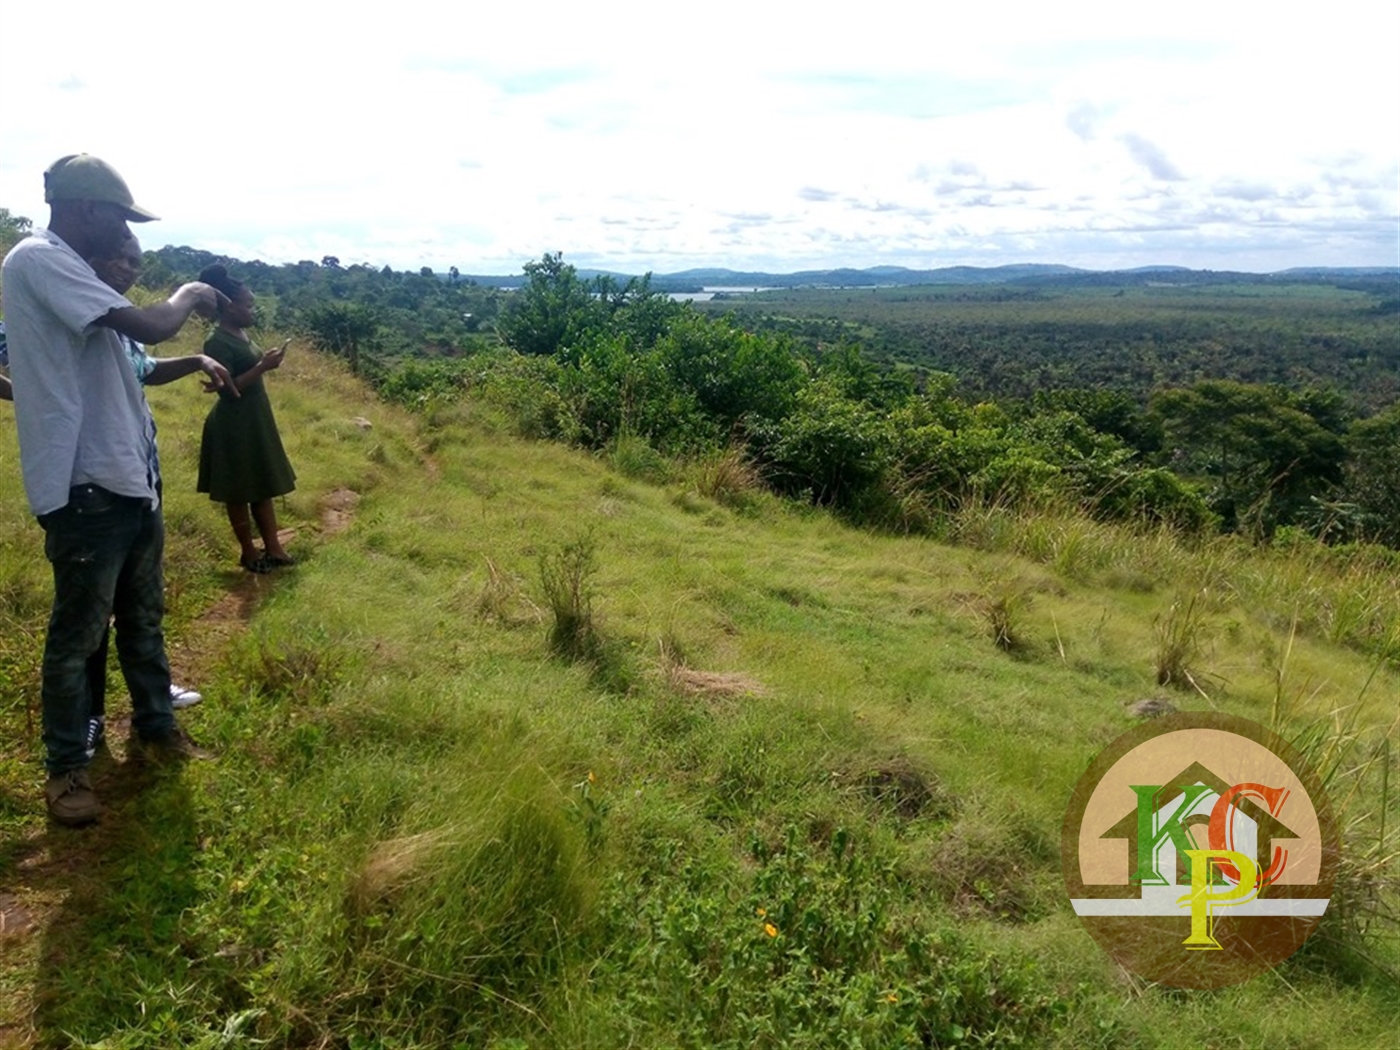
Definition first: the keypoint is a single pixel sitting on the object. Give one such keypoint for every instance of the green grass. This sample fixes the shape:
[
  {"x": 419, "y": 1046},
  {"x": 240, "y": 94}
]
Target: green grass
[{"x": 428, "y": 827}]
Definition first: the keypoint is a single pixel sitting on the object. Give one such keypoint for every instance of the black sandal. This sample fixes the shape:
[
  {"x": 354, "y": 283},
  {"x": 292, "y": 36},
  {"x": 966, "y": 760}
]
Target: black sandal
[{"x": 257, "y": 565}]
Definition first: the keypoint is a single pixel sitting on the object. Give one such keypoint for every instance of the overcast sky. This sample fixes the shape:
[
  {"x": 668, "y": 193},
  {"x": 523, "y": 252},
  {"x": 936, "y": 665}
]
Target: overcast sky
[{"x": 764, "y": 135}]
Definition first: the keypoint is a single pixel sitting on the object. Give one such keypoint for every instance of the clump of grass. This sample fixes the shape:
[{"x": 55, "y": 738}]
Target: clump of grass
[
  {"x": 632, "y": 456},
  {"x": 1000, "y": 867},
  {"x": 457, "y": 928},
  {"x": 709, "y": 685},
  {"x": 567, "y": 578},
  {"x": 1356, "y": 766},
  {"x": 303, "y": 670},
  {"x": 566, "y": 575},
  {"x": 1347, "y": 594},
  {"x": 1179, "y": 642},
  {"x": 898, "y": 786},
  {"x": 1003, "y": 611},
  {"x": 984, "y": 524},
  {"x": 730, "y": 478},
  {"x": 500, "y": 600},
  {"x": 1062, "y": 538}
]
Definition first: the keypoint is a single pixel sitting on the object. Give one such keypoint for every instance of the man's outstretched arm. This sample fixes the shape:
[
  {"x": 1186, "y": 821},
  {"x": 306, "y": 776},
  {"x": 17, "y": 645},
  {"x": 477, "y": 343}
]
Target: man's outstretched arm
[{"x": 161, "y": 321}]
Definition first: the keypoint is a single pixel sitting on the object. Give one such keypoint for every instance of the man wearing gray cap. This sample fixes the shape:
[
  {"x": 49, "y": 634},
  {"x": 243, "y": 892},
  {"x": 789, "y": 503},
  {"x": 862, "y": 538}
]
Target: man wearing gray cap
[{"x": 90, "y": 468}]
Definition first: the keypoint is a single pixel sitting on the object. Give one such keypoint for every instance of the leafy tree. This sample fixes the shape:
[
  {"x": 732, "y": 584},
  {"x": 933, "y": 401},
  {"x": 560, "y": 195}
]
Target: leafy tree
[
  {"x": 13, "y": 229},
  {"x": 860, "y": 377},
  {"x": 341, "y": 328},
  {"x": 551, "y": 313},
  {"x": 1373, "y": 474},
  {"x": 1264, "y": 456},
  {"x": 733, "y": 374},
  {"x": 155, "y": 273},
  {"x": 635, "y": 309},
  {"x": 1107, "y": 411},
  {"x": 613, "y": 390}
]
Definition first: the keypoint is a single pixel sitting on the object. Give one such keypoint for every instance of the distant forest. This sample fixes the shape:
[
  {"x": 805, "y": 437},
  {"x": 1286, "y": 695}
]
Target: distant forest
[{"x": 1137, "y": 333}]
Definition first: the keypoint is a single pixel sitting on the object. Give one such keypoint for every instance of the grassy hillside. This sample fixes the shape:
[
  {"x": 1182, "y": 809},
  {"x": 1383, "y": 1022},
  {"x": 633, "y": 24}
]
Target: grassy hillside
[{"x": 774, "y": 784}]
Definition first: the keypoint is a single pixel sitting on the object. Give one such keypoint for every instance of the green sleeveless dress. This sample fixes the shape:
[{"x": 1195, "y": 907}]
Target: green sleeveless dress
[{"x": 241, "y": 459}]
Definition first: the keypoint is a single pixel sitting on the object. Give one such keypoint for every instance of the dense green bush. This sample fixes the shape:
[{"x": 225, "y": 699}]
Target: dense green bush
[{"x": 830, "y": 448}]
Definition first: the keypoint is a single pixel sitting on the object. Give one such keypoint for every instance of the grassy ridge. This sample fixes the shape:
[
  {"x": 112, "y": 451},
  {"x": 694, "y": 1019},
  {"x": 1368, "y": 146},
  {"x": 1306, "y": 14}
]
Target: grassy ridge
[{"x": 797, "y": 795}]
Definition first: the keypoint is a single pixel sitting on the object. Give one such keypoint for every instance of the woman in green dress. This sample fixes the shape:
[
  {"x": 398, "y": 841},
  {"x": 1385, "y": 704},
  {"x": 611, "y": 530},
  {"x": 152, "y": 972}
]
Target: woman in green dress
[{"x": 241, "y": 460}]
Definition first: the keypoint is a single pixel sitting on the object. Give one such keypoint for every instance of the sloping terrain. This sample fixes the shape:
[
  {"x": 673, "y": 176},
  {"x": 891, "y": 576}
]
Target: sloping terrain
[{"x": 526, "y": 752}]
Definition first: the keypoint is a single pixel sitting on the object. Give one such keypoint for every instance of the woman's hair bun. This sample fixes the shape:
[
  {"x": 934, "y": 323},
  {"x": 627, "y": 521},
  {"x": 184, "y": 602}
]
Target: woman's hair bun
[{"x": 217, "y": 276}]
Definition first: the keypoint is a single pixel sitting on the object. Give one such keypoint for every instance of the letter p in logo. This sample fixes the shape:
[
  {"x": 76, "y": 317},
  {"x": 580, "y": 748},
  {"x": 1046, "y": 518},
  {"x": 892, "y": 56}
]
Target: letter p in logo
[{"x": 1204, "y": 864}]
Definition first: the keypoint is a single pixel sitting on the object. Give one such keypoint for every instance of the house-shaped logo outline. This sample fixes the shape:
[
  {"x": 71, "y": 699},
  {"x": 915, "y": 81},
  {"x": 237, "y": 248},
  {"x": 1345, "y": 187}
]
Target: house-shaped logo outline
[{"x": 1268, "y": 828}]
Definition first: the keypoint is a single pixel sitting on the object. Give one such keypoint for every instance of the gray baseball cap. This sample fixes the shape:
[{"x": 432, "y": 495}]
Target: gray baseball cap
[{"x": 83, "y": 177}]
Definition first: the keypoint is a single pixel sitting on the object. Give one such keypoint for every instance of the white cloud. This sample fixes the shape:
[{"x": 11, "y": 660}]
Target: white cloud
[{"x": 921, "y": 134}]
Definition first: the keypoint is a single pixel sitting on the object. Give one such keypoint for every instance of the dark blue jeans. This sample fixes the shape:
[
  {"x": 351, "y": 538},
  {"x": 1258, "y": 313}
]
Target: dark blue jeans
[{"x": 106, "y": 555}]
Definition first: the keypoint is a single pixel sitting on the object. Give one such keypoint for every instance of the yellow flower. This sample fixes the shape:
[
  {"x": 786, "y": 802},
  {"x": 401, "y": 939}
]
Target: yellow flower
[
  {"x": 760, "y": 912},
  {"x": 591, "y": 777},
  {"x": 891, "y": 998},
  {"x": 770, "y": 929}
]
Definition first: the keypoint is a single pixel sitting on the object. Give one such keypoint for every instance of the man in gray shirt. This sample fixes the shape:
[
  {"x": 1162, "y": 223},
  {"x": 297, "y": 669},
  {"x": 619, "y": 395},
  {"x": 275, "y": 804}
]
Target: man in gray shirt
[{"x": 89, "y": 466}]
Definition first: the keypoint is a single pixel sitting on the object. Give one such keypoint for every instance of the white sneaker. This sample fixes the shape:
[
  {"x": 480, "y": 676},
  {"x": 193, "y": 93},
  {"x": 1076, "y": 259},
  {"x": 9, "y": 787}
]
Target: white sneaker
[{"x": 181, "y": 697}]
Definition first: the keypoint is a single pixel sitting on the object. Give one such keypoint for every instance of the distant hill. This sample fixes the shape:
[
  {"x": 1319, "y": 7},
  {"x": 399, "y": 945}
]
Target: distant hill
[{"x": 900, "y": 276}]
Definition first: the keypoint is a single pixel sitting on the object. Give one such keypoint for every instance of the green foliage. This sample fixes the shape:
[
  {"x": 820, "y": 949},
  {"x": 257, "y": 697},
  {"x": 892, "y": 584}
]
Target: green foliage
[
  {"x": 1113, "y": 412},
  {"x": 809, "y": 950},
  {"x": 13, "y": 228},
  {"x": 553, "y": 312},
  {"x": 416, "y": 315},
  {"x": 813, "y": 404},
  {"x": 419, "y": 382},
  {"x": 1154, "y": 495},
  {"x": 343, "y": 329},
  {"x": 734, "y": 375},
  {"x": 633, "y": 457},
  {"x": 830, "y": 449},
  {"x": 1263, "y": 454},
  {"x": 613, "y": 389},
  {"x": 403, "y": 844},
  {"x": 1372, "y": 481}
]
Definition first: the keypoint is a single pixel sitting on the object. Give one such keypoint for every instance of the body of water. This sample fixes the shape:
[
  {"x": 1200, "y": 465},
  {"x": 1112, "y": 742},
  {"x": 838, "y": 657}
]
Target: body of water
[{"x": 707, "y": 293}]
